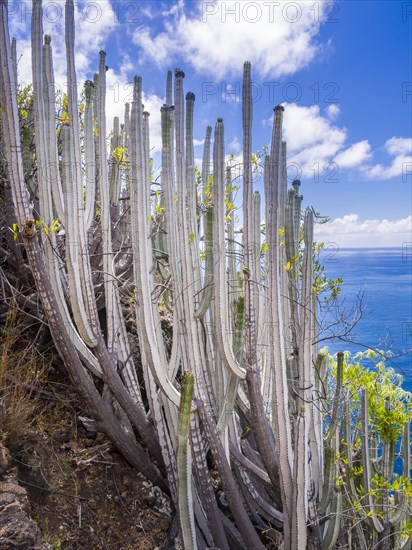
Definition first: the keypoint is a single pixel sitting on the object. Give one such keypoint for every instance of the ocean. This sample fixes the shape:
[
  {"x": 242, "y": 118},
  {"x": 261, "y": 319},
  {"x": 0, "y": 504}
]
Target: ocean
[{"x": 382, "y": 277}]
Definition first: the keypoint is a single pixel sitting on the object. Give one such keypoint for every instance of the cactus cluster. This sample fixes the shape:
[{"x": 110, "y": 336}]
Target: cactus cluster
[{"x": 241, "y": 385}]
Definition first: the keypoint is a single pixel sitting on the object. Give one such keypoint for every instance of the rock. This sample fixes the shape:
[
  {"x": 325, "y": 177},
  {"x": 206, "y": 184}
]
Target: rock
[
  {"x": 17, "y": 530},
  {"x": 4, "y": 459}
]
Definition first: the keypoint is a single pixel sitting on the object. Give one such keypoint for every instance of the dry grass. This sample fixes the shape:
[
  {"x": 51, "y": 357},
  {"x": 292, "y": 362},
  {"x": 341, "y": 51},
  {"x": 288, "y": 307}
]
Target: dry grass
[{"x": 22, "y": 370}]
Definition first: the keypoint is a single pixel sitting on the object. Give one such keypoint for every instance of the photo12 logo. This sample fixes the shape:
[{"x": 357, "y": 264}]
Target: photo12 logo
[
  {"x": 272, "y": 92},
  {"x": 88, "y": 11},
  {"x": 269, "y": 11}
]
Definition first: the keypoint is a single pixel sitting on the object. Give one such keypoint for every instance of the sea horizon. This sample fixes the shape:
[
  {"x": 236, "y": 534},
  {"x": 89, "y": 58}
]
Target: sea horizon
[{"x": 381, "y": 282}]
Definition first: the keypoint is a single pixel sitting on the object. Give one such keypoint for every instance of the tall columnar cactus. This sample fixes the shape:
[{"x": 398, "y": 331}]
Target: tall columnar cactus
[
  {"x": 185, "y": 498},
  {"x": 243, "y": 385}
]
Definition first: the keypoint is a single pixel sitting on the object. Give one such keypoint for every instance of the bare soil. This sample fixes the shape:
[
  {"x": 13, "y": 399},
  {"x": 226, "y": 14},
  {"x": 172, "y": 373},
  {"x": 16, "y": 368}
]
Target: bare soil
[{"x": 82, "y": 493}]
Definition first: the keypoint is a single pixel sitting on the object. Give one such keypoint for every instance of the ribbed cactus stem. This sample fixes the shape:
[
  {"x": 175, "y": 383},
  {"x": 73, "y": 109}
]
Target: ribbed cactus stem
[
  {"x": 192, "y": 199},
  {"x": 169, "y": 88},
  {"x": 231, "y": 245},
  {"x": 248, "y": 244},
  {"x": 406, "y": 450},
  {"x": 73, "y": 101},
  {"x": 401, "y": 510},
  {"x": 20, "y": 196},
  {"x": 13, "y": 51},
  {"x": 220, "y": 287},
  {"x": 291, "y": 239},
  {"x": 108, "y": 268},
  {"x": 305, "y": 352},
  {"x": 283, "y": 190},
  {"x": 233, "y": 381},
  {"x": 327, "y": 491},
  {"x": 166, "y": 434},
  {"x": 337, "y": 398},
  {"x": 366, "y": 464},
  {"x": 153, "y": 347},
  {"x": 263, "y": 307},
  {"x": 95, "y": 116},
  {"x": 385, "y": 542},
  {"x": 239, "y": 332},
  {"x": 172, "y": 239},
  {"x": 276, "y": 351},
  {"x": 75, "y": 197},
  {"x": 184, "y": 470},
  {"x": 72, "y": 252},
  {"x": 329, "y": 478},
  {"x": 291, "y": 257},
  {"x": 247, "y": 115},
  {"x": 114, "y": 175},
  {"x": 40, "y": 124},
  {"x": 256, "y": 269},
  {"x": 264, "y": 436},
  {"x": 305, "y": 372},
  {"x": 206, "y": 171},
  {"x": 46, "y": 150},
  {"x": 317, "y": 427},
  {"x": 146, "y": 159},
  {"x": 284, "y": 273},
  {"x": 127, "y": 125},
  {"x": 10, "y": 122},
  {"x": 300, "y": 477},
  {"x": 193, "y": 348},
  {"x": 207, "y": 293},
  {"x": 333, "y": 526},
  {"x": 89, "y": 155},
  {"x": 48, "y": 92},
  {"x": 297, "y": 203}
]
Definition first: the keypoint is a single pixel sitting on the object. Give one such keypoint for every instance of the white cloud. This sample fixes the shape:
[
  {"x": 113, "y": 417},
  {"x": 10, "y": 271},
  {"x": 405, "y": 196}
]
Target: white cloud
[
  {"x": 350, "y": 231},
  {"x": 399, "y": 146},
  {"x": 279, "y": 38},
  {"x": 401, "y": 165},
  {"x": 234, "y": 146},
  {"x": 333, "y": 111},
  {"x": 305, "y": 127},
  {"x": 198, "y": 142},
  {"x": 318, "y": 146},
  {"x": 313, "y": 141},
  {"x": 354, "y": 155},
  {"x": 401, "y": 151}
]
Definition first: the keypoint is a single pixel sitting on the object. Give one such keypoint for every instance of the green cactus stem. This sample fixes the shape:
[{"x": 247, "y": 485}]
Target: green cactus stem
[
  {"x": 184, "y": 470},
  {"x": 366, "y": 464}
]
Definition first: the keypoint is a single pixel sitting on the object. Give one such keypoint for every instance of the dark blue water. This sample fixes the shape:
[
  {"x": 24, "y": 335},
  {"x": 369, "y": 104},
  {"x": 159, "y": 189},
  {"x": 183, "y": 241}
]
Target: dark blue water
[{"x": 383, "y": 278}]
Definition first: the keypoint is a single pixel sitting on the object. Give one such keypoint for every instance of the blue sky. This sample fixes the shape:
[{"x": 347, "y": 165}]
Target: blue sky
[{"x": 341, "y": 69}]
